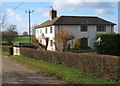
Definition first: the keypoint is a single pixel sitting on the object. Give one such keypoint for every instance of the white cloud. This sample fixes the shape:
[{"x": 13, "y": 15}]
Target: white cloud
[
  {"x": 74, "y": 4},
  {"x": 46, "y": 14},
  {"x": 102, "y": 12},
  {"x": 14, "y": 15}
]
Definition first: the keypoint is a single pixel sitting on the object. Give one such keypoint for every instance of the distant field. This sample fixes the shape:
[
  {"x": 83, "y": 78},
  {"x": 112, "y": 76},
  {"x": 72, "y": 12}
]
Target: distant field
[{"x": 19, "y": 39}]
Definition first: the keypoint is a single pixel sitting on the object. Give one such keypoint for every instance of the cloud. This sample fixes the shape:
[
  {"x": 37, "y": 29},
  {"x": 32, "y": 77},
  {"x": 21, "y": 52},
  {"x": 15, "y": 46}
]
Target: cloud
[
  {"x": 46, "y": 14},
  {"x": 72, "y": 5},
  {"x": 14, "y": 15},
  {"x": 43, "y": 11},
  {"x": 102, "y": 12}
]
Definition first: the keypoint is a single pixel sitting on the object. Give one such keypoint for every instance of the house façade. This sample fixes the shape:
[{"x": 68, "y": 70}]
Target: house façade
[{"x": 83, "y": 27}]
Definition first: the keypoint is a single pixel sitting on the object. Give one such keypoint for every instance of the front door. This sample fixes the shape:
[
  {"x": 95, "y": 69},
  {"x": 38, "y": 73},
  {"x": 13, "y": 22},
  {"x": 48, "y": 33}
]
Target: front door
[{"x": 84, "y": 43}]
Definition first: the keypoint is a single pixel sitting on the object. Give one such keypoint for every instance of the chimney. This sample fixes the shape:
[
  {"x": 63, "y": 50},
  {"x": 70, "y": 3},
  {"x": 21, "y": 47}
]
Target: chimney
[{"x": 53, "y": 14}]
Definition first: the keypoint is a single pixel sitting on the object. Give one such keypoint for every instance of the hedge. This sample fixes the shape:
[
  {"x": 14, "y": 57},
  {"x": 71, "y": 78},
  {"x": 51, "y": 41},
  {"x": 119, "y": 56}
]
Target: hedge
[
  {"x": 6, "y": 48},
  {"x": 104, "y": 66},
  {"x": 110, "y": 44}
]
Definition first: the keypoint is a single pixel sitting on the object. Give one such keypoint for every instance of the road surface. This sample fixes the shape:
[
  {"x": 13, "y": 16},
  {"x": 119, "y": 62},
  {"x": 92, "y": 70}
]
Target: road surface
[{"x": 16, "y": 73}]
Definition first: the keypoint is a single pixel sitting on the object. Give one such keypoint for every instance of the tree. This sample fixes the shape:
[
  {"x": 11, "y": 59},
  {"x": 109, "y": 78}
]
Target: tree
[
  {"x": 10, "y": 34},
  {"x": 25, "y": 33},
  {"x": 3, "y": 19},
  {"x": 61, "y": 39}
]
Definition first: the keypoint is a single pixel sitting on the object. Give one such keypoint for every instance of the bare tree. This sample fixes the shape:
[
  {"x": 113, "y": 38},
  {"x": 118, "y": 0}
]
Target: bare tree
[
  {"x": 3, "y": 19},
  {"x": 61, "y": 39},
  {"x": 10, "y": 34}
]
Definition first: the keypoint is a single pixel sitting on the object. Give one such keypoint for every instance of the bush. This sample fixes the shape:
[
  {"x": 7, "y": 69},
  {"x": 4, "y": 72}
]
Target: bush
[
  {"x": 104, "y": 66},
  {"x": 77, "y": 44},
  {"x": 110, "y": 44}
]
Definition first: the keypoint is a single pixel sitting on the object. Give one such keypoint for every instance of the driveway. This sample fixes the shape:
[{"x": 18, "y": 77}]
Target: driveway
[{"x": 16, "y": 73}]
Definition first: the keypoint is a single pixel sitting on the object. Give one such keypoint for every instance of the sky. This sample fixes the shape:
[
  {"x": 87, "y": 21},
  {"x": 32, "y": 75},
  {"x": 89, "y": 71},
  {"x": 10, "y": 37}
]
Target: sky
[{"x": 107, "y": 10}]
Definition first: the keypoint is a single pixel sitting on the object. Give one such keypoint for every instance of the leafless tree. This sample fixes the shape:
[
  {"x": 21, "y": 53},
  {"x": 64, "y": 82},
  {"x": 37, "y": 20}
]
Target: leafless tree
[
  {"x": 3, "y": 19},
  {"x": 10, "y": 34},
  {"x": 61, "y": 39}
]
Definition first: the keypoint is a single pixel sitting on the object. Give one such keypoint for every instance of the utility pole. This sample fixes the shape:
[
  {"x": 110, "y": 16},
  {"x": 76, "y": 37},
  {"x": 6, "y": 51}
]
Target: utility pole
[{"x": 29, "y": 12}]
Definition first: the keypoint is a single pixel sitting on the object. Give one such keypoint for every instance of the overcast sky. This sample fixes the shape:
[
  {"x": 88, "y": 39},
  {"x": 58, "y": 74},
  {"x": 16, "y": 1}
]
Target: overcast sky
[{"x": 106, "y": 10}]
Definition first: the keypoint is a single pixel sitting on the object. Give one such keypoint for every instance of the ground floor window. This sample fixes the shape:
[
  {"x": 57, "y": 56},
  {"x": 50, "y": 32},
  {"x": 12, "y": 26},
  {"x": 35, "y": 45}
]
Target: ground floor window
[{"x": 51, "y": 43}]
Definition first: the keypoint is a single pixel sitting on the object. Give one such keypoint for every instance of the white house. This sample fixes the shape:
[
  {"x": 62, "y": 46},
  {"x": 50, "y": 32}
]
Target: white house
[{"x": 83, "y": 27}]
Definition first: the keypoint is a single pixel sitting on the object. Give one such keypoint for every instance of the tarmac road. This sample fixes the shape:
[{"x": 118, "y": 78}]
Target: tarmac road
[{"x": 16, "y": 73}]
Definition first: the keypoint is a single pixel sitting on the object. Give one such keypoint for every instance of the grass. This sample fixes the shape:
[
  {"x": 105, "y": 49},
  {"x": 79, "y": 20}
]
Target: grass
[
  {"x": 24, "y": 39},
  {"x": 21, "y": 39},
  {"x": 5, "y": 53},
  {"x": 72, "y": 76}
]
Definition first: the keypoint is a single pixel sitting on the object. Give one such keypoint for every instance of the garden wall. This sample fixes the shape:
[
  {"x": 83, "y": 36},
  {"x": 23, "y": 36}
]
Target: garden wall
[{"x": 104, "y": 66}]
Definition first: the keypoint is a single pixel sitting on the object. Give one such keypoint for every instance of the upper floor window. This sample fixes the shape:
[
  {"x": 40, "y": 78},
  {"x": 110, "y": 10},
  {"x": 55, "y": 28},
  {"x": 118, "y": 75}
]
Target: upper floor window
[
  {"x": 46, "y": 30},
  {"x": 101, "y": 28},
  {"x": 83, "y": 28},
  {"x": 36, "y": 31},
  {"x": 50, "y": 29}
]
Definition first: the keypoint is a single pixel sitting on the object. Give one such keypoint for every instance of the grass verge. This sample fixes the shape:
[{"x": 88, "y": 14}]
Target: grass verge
[
  {"x": 5, "y": 53},
  {"x": 72, "y": 76}
]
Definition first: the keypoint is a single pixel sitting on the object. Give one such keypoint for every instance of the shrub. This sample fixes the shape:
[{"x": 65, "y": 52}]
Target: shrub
[
  {"x": 104, "y": 66},
  {"x": 77, "y": 44},
  {"x": 110, "y": 44}
]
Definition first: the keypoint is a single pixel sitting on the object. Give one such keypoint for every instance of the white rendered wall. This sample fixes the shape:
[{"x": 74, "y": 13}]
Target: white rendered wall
[{"x": 90, "y": 34}]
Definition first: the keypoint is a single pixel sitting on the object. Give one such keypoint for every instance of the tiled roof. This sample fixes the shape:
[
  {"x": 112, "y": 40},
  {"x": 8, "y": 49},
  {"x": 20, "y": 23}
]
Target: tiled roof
[{"x": 75, "y": 20}]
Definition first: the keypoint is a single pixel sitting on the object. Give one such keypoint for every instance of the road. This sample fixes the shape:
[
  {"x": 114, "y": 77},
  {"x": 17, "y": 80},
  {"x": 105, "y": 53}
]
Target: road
[{"x": 16, "y": 73}]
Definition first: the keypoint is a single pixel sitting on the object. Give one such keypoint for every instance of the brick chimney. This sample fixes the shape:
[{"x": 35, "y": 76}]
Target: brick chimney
[{"x": 53, "y": 14}]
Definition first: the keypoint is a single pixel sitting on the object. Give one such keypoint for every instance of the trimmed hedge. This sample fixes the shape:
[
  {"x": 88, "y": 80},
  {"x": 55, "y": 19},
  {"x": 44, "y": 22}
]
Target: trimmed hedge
[
  {"x": 104, "y": 66},
  {"x": 6, "y": 48},
  {"x": 110, "y": 44}
]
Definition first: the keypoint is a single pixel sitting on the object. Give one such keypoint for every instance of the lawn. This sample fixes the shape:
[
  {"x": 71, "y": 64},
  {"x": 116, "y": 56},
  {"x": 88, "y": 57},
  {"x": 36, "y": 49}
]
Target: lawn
[{"x": 70, "y": 75}]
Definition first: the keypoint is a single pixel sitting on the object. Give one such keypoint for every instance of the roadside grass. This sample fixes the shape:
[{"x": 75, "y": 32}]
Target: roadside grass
[
  {"x": 70, "y": 75},
  {"x": 5, "y": 53}
]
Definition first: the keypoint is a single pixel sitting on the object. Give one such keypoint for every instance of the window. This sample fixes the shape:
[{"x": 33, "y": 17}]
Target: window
[
  {"x": 101, "y": 28},
  {"x": 37, "y": 31},
  {"x": 83, "y": 28},
  {"x": 51, "y": 43},
  {"x": 46, "y": 30},
  {"x": 40, "y": 41},
  {"x": 40, "y": 30},
  {"x": 50, "y": 29},
  {"x": 112, "y": 29}
]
